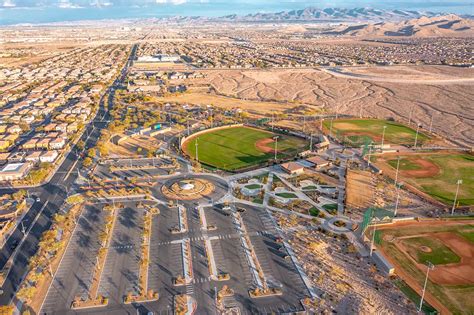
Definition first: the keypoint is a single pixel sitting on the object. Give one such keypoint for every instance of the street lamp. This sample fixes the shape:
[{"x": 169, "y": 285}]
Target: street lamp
[
  {"x": 383, "y": 136},
  {"x": 430, "y": 266},
  {"x": 459, "y": 182}
]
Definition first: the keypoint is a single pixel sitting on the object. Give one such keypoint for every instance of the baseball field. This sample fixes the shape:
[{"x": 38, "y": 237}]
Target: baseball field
[
  {"x": 448, "y": 245},
  {"x": 435, "y": 174},
  {"x": 356, "y": 132},
  {"x": 240, "y": 147}
]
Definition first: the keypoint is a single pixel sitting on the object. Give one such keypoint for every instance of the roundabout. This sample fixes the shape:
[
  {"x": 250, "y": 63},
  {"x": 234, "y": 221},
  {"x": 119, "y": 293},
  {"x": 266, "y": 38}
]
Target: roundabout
[{"x": 193, "y": 187}]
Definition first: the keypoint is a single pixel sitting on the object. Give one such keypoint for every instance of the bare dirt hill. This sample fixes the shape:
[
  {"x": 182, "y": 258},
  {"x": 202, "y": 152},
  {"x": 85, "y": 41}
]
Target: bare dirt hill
[{"x": 440, "y": 26}]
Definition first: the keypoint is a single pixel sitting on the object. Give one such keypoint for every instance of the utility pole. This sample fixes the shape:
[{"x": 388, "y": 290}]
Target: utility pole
[
  {"x": 416, "y": 135},
  {"x": 430, "y": 266},
  {"x": 459, "y": 182},
  {"x": 383, "y": 137}
]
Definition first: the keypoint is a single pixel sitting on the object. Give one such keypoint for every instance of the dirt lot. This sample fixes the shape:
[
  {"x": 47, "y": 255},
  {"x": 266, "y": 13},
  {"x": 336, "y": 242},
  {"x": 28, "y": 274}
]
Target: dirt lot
[
  {"x": 316, "y": 87},
  {"x": 133, "y": 147},
  {"x": 360, "y": 189}
]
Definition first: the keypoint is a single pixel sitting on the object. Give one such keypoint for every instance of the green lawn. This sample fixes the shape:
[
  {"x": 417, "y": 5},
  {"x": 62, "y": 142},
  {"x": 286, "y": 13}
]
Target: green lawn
[
  {"x": 253, "y": 186},
  {"x": 331, "y": 208},
  {"x": 361, "y": 131},
  {"x": 440, "y": 254},
  {"x": 286, "y": 195},
  {"x": 443, "y": 185},
  {"x": 234, "y": 148}
]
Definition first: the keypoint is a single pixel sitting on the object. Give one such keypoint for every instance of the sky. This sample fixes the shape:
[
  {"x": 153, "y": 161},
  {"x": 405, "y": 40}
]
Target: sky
[{"x": 45, "y": 11}]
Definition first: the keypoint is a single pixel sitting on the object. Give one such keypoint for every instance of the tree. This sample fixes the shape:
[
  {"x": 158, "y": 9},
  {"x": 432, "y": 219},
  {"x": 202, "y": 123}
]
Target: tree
[
  {"x": 91, "y": 153},
  {"x": 80, "y": 145},
  {"x": 19, "y": 195},
  {"x": 87, "y": 162},
  {"x": 26, "y": 293}
]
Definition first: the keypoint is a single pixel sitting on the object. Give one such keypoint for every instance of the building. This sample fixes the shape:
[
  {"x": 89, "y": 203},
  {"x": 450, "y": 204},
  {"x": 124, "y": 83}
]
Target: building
[
  {"x": 49, "y": 157},
  {"x": 33, "y": 156},
  {"x": 318, "y": 162},
  {"x": 14, "y": 171},
  {"x": 57, "y": 143},
  {"x": 292, "y": 168}
]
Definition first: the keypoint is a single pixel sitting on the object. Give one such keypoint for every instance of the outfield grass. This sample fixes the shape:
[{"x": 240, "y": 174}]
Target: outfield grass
[
  {"x": 443, "y": 185},
  {"x": 234, "y": 148},
  {"x": 440, "y": 254},
  {"x": 361, "y": 131}
]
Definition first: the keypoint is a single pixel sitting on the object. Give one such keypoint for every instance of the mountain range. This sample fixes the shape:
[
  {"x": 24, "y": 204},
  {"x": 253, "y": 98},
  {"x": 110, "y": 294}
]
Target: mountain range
[{"x": 447, "y": 25}]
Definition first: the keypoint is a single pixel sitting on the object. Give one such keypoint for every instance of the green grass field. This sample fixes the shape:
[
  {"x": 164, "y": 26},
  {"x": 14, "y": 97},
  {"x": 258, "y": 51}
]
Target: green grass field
[
  {"x": 443, "y": 185},
  {"x": 361, "y": 131},
  {"x": 234, "y": 148},
  {"x": 440, "y": 254}
]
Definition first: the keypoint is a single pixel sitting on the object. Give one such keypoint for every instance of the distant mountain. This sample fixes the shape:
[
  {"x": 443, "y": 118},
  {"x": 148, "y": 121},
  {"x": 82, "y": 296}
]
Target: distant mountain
[
  {"x": 330, "y": 14},
  {"x": 447, "y": 25}
]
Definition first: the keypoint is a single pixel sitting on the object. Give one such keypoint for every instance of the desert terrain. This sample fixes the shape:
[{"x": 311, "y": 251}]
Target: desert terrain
[{"x": 422, "y": 92}]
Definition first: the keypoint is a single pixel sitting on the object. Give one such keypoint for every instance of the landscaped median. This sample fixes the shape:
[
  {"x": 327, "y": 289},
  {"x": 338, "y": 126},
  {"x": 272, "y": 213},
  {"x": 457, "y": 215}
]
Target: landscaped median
[
  {"x": 144, "y": 295},
  {"x": 94, "y": 299},
  {"x": 187, "y": 264},
  {"x": 43, "y": 265},
  {"x": 184, "y": 304},
  {"x": 211, "y": 264}
]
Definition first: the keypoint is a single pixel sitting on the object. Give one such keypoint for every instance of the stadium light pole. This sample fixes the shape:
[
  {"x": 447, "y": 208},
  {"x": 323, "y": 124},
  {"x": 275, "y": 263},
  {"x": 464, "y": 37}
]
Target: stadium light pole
[
  {"x": 373, "y": 238},
  {"x": 311, "y": 142},
  {"x": 409, "y": 119},
  {"x": 196, "y": 144},
  {"x": 398, "y": 199},
  {"x": 430, "y": 266},
  {"x": 431, "y": 122},
  {"x": 276, "y": 146},
  {"x": 330, "y": 128},
  {"x": 383, "y": 137},
  {"x": 416, "y": 135},
  {"x": 273, "y": 120},
  {"x": 459, "y": 182},
  {"x": 396, "y": 173}
]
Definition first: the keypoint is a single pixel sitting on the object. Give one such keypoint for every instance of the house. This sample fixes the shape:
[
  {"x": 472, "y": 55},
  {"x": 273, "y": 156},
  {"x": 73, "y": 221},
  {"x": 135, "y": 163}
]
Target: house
[
  {"x": 57, "y": 143},
  {"x": 4, "y": 145},
  {"x": 14, "y": 171},
  {"x": 30, "y": 144},
  {"x": 72, "y": 127},
  {"x": 292, "y": 168},
  {"x": 33, "y": 156},
  {"x": 43, "y": 143},
  {"x": 3, "y": 128},
  {"x": 318, "y": 162},
  {"x": 322, "y": 145},
  {"x": 50, "y": 127},
  {"x": 14, "y": 129},
  {"x": 49, "y": 157}
]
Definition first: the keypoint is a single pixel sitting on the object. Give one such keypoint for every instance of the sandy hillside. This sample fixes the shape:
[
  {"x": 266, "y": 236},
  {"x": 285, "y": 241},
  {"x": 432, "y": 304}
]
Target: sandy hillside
[
  {"x": 447, "y": 25},
  {"x": 451, "y": 103}
]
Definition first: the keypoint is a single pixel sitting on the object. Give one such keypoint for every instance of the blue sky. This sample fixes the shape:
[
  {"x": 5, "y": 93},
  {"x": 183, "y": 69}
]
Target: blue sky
[{"x": 402, "y": 4}]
